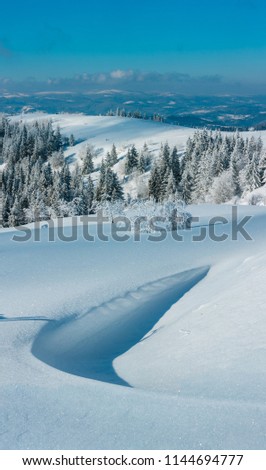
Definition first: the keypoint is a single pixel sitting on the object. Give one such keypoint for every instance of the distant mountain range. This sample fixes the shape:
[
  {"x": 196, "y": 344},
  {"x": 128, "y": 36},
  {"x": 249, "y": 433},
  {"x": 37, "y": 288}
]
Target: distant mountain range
[{"x": 223, "y": 111}]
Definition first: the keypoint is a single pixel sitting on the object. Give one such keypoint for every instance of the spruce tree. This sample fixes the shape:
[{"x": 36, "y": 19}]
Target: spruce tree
[
  {"x": 142, "y": 164},
  {"x": 113, "y": 155},
  {"x": 171, "y": 188},
  {"x": 262, "y": 168},
  {"x": 175, "y": 166},
  {"x": 101, "y": 182},
  {"x": 88, "y": 166},
  {"x": 66, "y": 183},
  {"x": 166, "y": 155},
  {"x": 187, "y": 186},
  {"x": 253, "y": 180},
  {"x": 117, "y": 191},
  {"x": 72, "y": 140},
  {"x": 17, "y": 216},
  {"x": 131, "y": 160},
  {"x": 155, "y": 184},
  {"x": 89, "y": 193},
  {"x": 108, "y": 160},
  {"x": 235, "y": 173}
]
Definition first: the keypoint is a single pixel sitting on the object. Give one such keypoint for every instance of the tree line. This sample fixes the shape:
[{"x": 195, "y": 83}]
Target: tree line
[
  {"x": 215, "y": 167},
  {"x": 38, "y": 182}
]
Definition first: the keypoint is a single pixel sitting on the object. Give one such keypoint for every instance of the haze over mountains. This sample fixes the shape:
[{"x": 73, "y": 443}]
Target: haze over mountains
[
  {"x": 220, "y": 111},
  {"x": 179, "y": 98}
]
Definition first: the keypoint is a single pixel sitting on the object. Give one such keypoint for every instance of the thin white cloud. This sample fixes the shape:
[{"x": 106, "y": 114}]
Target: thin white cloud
[{"x": 120, "y": 74}]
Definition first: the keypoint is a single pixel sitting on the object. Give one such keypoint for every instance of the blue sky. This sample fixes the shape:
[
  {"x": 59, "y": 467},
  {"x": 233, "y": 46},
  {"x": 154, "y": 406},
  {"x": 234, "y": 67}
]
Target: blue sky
[{"x": 198, "y": 37}]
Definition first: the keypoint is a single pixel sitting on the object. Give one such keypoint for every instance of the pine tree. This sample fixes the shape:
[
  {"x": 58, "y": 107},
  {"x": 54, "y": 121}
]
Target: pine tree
[
  {"x": 144, "y": 159},
  {"x": 253, "y": 180},
  {"x": 6, "y": 212},
  {"x": 72, "y": 140},
  {"x": 131, "y": 160},
  {"x": 187, "y": 186},
  {"x": 117, "y": 191},
  {"x": 108, "y": 160},
  {"x": 175, "y": 166},
  {"x": 225, "y": 153},
  {"x": 171, "y": 188},
  {"x": 111, "y": 190},
  {"x": 262, "y": 168},
  {"x": 155, "y": 184},
  {"x": 17, "y": 216},
  {"x": 235, "y": 173},
  {"x": 58, "y": 144},
  {"x": 142, "y": 164},
  {"x": 88, "y": 166},
  {"x": 164, "y": 184},
  {"x": 101, "y": 182},
  {"x": 204, "y": 177},
  {"x": 113, "y": 155},
  {"x": 89, "y": 193},
  {"x": 65, "y": 177},
  {"x": 166, "y": 156},
  {"x": 57, "y": 158},
  {"x": 48, "y": 175},
  {"x": 77, "y": 181}
]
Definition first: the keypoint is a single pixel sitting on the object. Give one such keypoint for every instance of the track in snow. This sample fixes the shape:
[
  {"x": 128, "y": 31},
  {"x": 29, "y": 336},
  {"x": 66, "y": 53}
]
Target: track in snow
[
  {"x": 88, "y": 345},
  {"x": 8, "y": 319}
]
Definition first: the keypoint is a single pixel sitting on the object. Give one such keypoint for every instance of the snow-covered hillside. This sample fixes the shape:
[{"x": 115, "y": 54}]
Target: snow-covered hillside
[
  {"x": 104, "y": 131},
  {"x": 100, "y": 133},
  {"x": 143, "y": 345}
]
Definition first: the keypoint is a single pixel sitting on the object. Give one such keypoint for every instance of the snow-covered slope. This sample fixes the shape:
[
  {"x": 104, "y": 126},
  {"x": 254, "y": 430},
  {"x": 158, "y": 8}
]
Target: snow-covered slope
[
  {"x": 135, "y": 344},
  {"x": 104, "y": 131},
  {"x": 101, "y": 132}
]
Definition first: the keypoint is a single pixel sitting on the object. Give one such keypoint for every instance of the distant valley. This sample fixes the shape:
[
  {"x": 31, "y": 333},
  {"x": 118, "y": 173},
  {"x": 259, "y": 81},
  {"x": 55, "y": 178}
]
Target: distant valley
[{"x": 226, "y": 112}]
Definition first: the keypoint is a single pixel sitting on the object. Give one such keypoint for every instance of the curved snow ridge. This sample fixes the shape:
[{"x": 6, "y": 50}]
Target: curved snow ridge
[{"x": 87, "y": 346}]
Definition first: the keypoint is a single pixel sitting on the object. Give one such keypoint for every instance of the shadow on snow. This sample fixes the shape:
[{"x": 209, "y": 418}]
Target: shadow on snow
[{"x": 87, "y": 346}]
